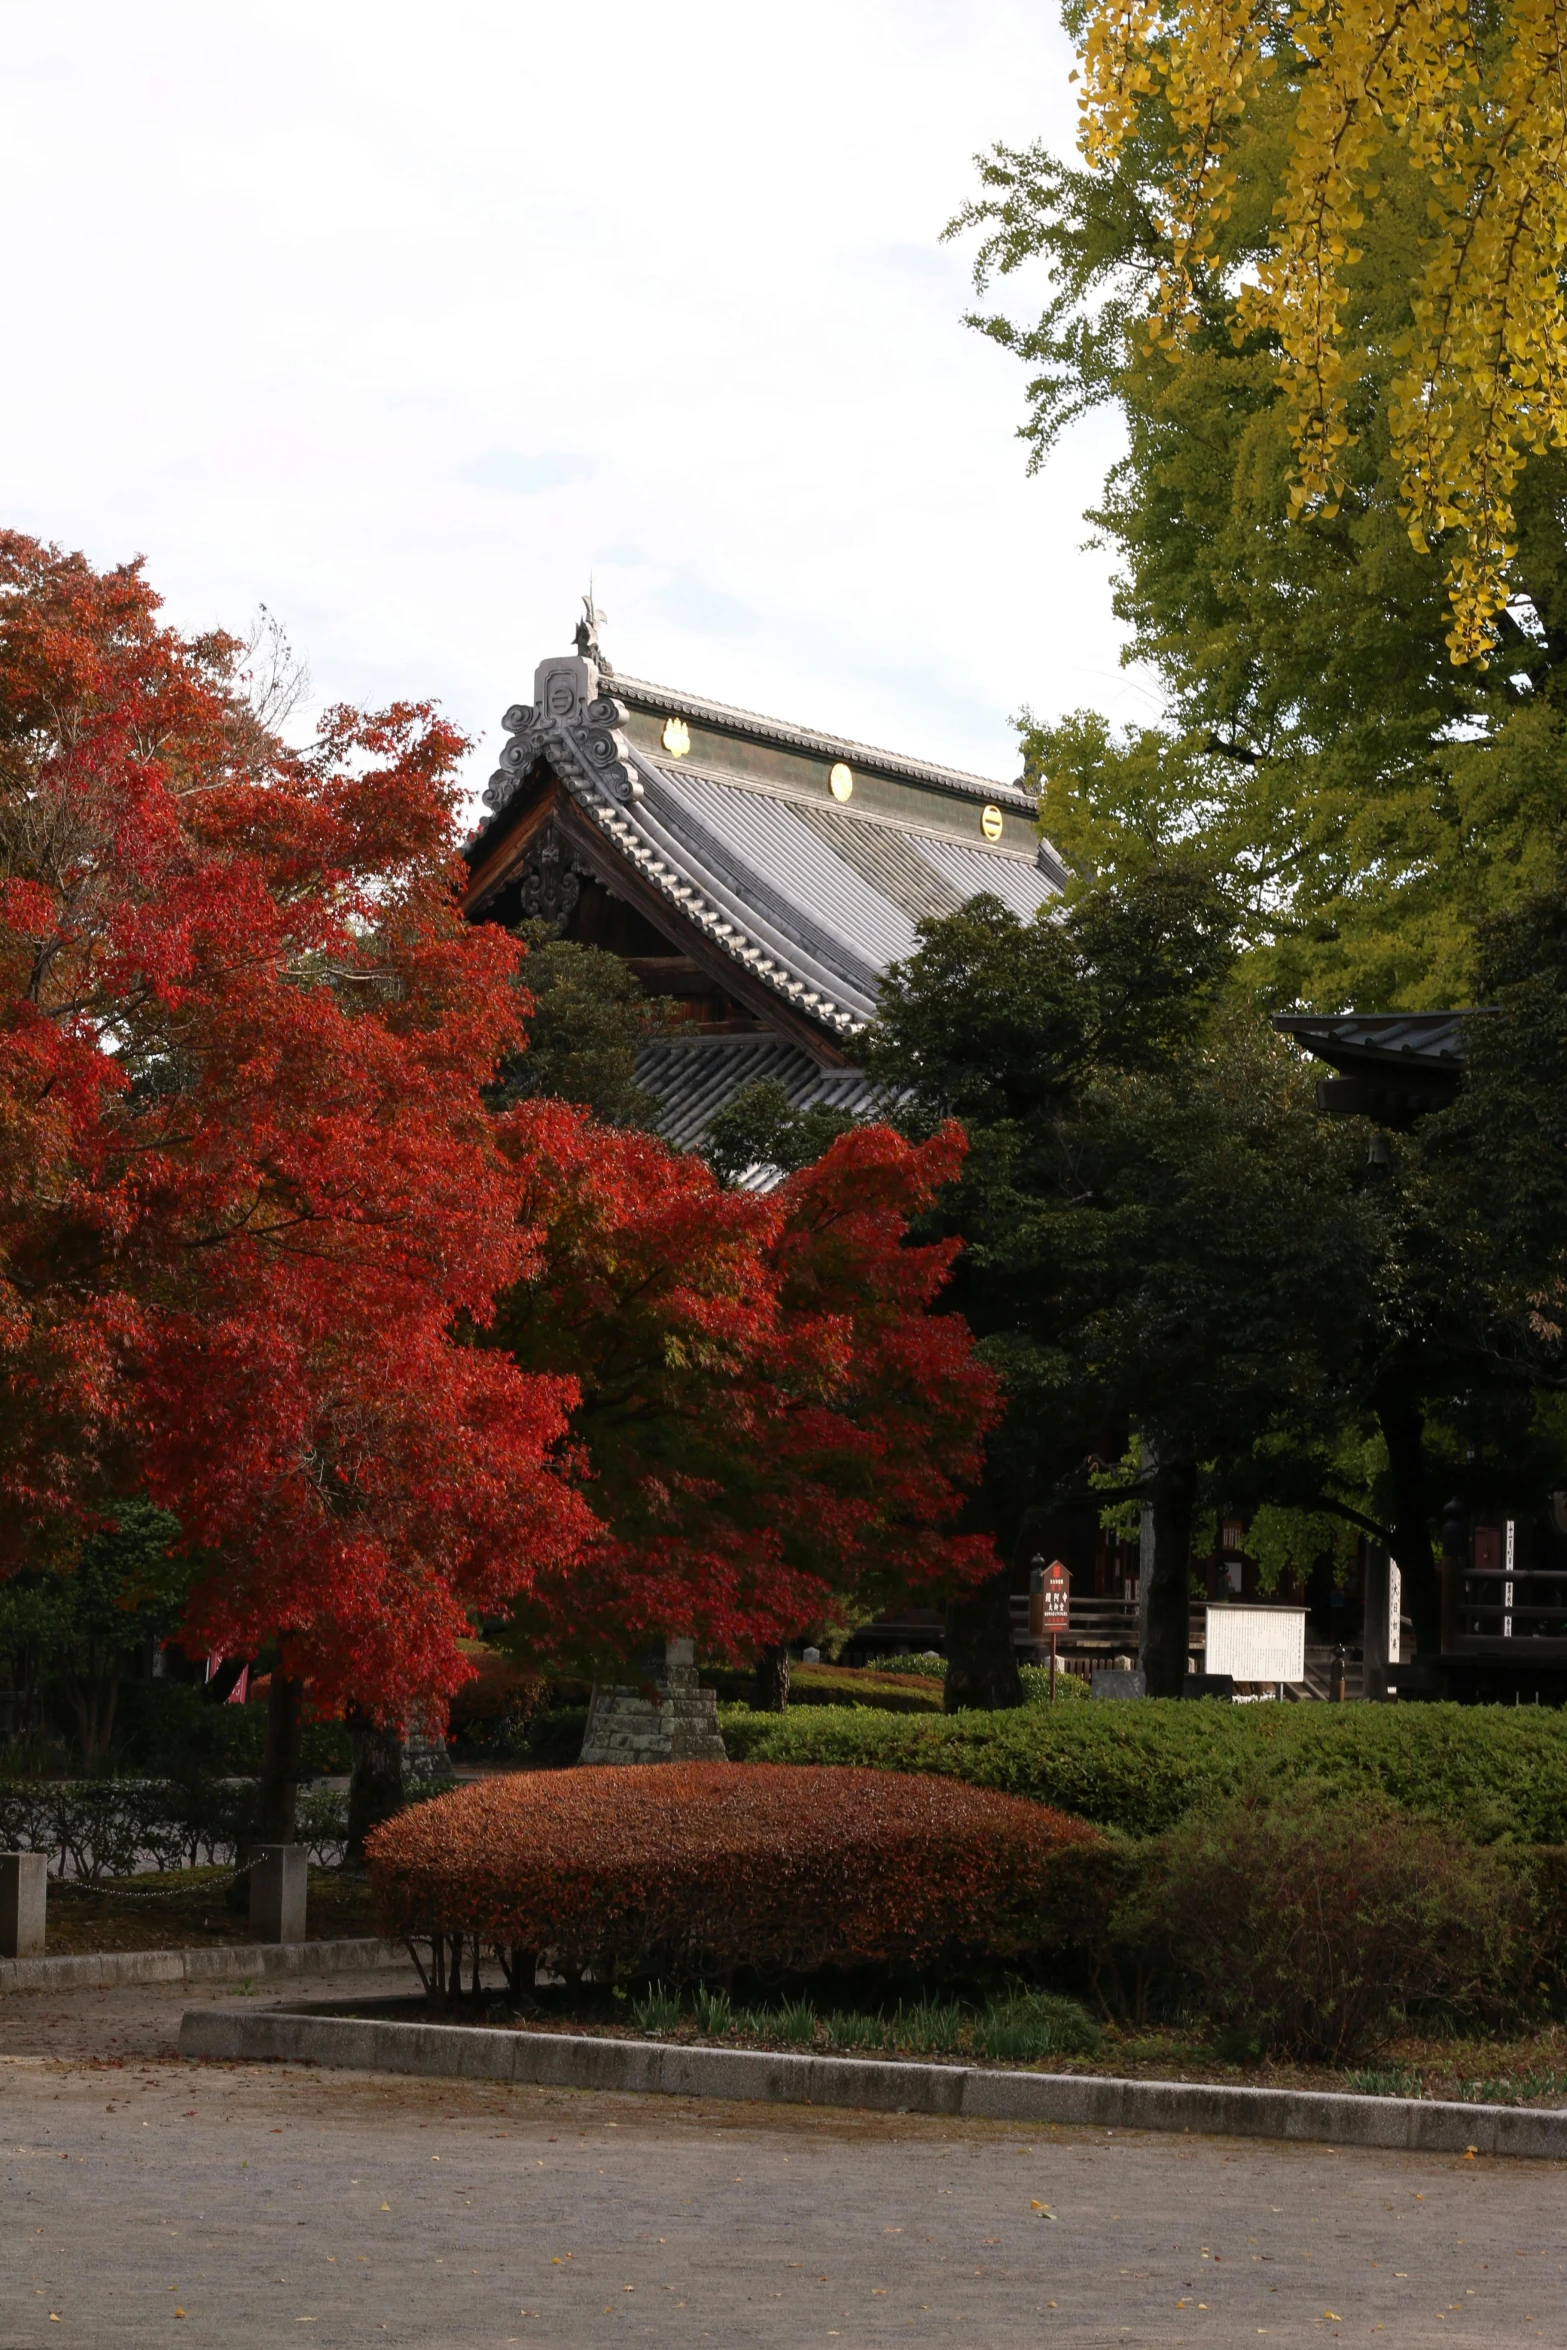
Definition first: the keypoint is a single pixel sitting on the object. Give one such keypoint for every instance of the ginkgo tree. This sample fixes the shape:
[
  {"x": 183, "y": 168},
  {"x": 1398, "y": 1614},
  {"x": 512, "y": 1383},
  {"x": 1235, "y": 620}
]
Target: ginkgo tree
[
  {"x": 1473, "y": 102},
  {"x": 1367, "y": 802}
]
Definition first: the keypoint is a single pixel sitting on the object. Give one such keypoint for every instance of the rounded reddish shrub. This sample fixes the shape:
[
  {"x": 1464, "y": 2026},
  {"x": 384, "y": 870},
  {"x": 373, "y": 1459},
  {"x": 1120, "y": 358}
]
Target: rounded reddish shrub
[{"x": 699, "y": 1867}]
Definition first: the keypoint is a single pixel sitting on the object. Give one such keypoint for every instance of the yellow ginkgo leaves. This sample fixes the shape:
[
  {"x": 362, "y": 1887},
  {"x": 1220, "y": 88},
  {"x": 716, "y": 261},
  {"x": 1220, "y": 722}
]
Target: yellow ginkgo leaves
[{"x": 1481, "y": 116}]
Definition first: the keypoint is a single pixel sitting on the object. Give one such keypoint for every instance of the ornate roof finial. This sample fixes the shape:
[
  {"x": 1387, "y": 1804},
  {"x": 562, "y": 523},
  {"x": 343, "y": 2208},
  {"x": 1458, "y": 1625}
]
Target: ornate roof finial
[{"x": 588, "y": 632}]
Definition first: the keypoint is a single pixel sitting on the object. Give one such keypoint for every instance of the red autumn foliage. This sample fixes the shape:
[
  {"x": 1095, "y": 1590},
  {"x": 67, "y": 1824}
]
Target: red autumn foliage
[
  {"x": 255, "y": 1212},
  {"x": 696, "y": 1868},
  {"x": 248, "y": 1187},
  {"x": 773, "y": 1416}
]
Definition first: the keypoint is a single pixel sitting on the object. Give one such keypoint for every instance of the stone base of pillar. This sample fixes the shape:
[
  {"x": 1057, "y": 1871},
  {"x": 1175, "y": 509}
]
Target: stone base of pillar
[{"x": 666, "y": 1717}]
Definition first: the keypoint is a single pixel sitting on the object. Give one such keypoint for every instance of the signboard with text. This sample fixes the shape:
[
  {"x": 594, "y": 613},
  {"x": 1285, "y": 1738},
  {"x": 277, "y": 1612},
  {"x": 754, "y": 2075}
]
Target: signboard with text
[{"x": 1049, "y": 1600}]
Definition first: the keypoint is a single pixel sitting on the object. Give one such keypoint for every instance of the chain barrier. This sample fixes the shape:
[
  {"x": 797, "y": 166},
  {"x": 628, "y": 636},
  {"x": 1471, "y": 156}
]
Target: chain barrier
[{"x": 113, "y": 1890}]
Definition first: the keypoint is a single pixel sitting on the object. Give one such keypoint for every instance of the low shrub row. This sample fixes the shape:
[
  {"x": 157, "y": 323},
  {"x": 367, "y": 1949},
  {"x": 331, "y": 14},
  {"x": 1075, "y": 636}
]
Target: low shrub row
[
  {"x": 97, "y": 1828},
  {"x": 1493, "y": 1771},
  {"x": 696, "y": 1868},
  {"x": 1290, "y": 1919}
]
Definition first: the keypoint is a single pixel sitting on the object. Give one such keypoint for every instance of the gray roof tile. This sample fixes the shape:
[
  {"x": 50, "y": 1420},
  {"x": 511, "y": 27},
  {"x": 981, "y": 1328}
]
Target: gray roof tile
[
  {"x": 691, "y": 1081},
  {"x": 1424, "y": 1039},
  {"x": 642, "y": 695}
]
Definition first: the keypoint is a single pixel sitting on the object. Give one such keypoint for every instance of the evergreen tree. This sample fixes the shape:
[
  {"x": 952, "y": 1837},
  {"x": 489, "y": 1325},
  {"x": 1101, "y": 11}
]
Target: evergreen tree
[
  {"x": 588, "y": 1022},
  {"x": 1161, "y": 1232}
]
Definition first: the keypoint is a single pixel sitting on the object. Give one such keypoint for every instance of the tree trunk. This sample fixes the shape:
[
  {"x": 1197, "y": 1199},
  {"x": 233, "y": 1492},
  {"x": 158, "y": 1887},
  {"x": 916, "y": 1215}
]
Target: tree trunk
[
  {"x": 1402, "y": 1422},
  {"x": 278, "y": 1793},
  {"x": 280, "y": 1760},
  {"x": 375, "y": 1792},
  {"x": 92, "y": 1699},
  {"x": 1167, "y": 1588},
  {"x": 981, "y": 1663},
  {"x": 770, "y": 1691}
]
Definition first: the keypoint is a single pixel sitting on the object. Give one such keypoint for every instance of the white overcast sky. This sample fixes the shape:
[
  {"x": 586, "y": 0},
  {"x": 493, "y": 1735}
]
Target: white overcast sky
[{"x": 403, "y": 320}]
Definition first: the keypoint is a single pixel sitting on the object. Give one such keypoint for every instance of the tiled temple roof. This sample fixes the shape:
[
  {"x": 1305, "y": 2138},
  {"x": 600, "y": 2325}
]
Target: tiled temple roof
[{"x": 745, "y": 830}]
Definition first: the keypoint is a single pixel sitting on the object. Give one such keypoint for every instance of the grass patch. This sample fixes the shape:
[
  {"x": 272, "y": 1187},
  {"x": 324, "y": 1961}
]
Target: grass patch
[
  {"x": 658, "y": 2010},
  {"x": 1383, "y": 2080},
  {"x": 1021, "y": 2026}
]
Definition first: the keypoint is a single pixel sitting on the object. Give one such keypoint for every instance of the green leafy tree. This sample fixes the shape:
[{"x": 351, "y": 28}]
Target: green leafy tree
[
  {"x": 1159, "y": 1226},
  {"x": 760, "y": 1129},
  {"x": 1164, "y": 1234},
  {"x": 590, "y": 1019},
  {"x": 76, "y": 1626}
]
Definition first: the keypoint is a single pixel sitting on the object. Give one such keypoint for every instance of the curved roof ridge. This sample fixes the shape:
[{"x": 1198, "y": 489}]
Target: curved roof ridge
[{"x": 810, "y": 738}]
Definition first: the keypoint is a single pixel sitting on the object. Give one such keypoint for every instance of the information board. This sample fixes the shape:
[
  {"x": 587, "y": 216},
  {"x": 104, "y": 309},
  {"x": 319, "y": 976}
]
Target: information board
[{"x": 1257, "y": 1643}]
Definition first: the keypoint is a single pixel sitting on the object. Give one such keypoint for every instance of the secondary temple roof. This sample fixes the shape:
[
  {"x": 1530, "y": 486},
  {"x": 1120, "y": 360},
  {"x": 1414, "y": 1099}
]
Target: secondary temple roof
[
  {"x": 764, "y": 874},
  {"x": 1394, "y": 1065}
]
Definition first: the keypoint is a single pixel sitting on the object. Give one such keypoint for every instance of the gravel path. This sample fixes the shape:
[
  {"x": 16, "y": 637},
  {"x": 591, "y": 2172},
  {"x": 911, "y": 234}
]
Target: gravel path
[{"x": 150, "y": 2200}]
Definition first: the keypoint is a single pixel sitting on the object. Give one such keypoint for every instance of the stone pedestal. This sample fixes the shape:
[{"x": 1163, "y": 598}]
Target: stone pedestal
[
  {"x": 278, "y": 1877},
  {"x": 666, "y": 1716},
  {"x": 424, "y": 1755},
  {"x": 24, "y": 1885}
]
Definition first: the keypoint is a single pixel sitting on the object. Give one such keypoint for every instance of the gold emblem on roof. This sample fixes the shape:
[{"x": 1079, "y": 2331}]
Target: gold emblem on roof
[
  {"x": 677, "y": 737},
  {"x": 990, "y": 822},
  {"x": 840, "y": 782}
]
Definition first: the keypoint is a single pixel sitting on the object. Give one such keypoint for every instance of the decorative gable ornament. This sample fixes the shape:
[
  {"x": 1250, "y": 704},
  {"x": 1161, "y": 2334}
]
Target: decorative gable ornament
[{"x": 578, "y": 727}]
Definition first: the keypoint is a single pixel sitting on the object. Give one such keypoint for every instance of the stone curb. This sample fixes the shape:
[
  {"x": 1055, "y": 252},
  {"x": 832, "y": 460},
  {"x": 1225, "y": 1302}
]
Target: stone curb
[
  {"x": 653, "y": 2068},
  {"x": 218, "y": 1962}
]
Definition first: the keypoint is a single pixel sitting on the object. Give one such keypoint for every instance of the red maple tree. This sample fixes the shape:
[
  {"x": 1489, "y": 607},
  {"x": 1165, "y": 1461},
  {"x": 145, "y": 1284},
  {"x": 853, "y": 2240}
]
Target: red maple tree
[
  {"x": 775, "y": 1421},
  {"x": 255, "y": 1215},
  {"x": 251, "y": 1203}
]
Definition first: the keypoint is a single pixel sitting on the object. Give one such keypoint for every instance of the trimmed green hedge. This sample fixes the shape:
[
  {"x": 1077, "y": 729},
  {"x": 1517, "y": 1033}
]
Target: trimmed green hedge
[
  {"x": 837, "y": 1685},
  {"x": 1492, "y": 1770}
]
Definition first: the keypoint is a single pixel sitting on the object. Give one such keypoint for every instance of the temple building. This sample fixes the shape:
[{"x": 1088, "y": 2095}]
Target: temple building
[{"x": 762, "y": 875}]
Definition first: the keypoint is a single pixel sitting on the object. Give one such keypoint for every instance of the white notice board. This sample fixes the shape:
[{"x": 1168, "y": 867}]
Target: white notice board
[{"x": 1257, "y": 1643}]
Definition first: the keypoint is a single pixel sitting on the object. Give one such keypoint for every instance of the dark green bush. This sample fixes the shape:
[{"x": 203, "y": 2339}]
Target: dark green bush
[
  {"x": 1494, "y": 1771},
  {"x": 1540, "y": 1871},
  {"x": 1314, "y": 1928},
  {"x": 554, "y": 1739},
  {"x": 500, "y": 1715},
  {"x": 173, "y": 1730}
]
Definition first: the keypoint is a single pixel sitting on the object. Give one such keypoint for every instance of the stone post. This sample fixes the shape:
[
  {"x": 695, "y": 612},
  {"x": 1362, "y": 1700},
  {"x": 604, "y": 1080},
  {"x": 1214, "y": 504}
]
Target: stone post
[
  {"x": 24, "y": 1884},
  {"x": 278, "y": 1878}
]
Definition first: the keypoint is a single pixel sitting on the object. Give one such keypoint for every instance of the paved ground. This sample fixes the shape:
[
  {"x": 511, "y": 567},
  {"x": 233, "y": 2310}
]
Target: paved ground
[{"x": 152, "y": 2201}]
